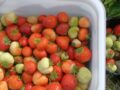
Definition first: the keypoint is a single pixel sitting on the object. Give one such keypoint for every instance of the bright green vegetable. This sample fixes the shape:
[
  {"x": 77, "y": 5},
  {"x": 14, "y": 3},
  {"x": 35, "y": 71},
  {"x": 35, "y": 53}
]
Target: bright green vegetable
[
  {"x": 73, "y": 32},
  {"x": 19, "y": 68},
  {"x": 74, "y": 21},
  {"x": 109, "y": 42},
  {"x": 6, "y": 60},
  {"x": 84, "y": 75},
  {"x": 116, "y": 45},
  {"x": 44, "y": 66},
  {"x": 110, "y": 53}
]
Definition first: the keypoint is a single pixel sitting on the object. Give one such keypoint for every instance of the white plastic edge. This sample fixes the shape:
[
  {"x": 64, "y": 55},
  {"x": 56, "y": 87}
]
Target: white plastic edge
[{"x": 102, "y": 45}]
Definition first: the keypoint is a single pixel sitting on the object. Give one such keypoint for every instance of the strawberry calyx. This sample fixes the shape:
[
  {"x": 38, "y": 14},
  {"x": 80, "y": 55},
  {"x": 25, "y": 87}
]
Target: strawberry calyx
[
  {"x": 79, "y": 50},
  {"x": 37, "y": 40},
  {"x": 7, "y": 40},
  {"x": 75, "y": 70},
  {"x": 15, "y": 31},
  {"x": 53, "y": 75}
]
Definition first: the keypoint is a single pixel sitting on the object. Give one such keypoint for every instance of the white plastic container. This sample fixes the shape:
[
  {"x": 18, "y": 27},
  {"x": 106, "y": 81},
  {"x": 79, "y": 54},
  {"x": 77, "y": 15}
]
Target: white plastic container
[{"x": 93, "y": 9}]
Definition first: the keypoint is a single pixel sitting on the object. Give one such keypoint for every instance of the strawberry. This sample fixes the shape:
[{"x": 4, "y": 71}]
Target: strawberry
[
  {"x": 53, "y": 86},
  {"x": 28, "y": 86},
  {"x": 42, "y": 44},
  {"x": 21, "y": 20},
  {"x": 30, "y": 67},
  {"x": 62, "y": 29},
  {"x": 2, "y": 33},
  {"x": 51, "y": 48},
  {"x": 4, "y": 43},
  {"x": 39, "y": 54},
  {"x": 49, "y": 34},
  {"x": 13, "y": 32},
  {"x": 25, "y": 29},
  {"x": 109, "y": 30},
  {"x": 9, "y": 19},
  {"x": 41, "y": 18},
  {"x": 55, "y": 58},
  {"x": 63, "y": 42},
  {"x": 63, "y": 17},
  {"x": 27, "y": 78},
  {"x": 36, "y": 28},
  {"x": 68, "y": 66},
  {"x": 69, "y": 82},
  {"x": 117, "y": 30},
  {"x": 110, "y": 61},
  {"x": 50, "y": 22},
  {"x": 23, "y": 41},
  {"x": 70, "y": 52},
  {"x": 83, "y": 34},
  {"x": 14, "y": 82},
  {"x": 83, "y": 54},
  {"x": 34, "y": 39},
  {"x": 15, "y": 48},
  {"x": 57, "y": 74}
]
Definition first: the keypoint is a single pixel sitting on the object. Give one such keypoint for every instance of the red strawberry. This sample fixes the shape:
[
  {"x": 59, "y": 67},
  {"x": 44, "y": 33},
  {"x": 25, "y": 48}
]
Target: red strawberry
[
  {"x": 50, "y": 21},
  {"x": 13, "y": 32},
  {"x": 2, "y": 33},
  {"x": 57, "y": 74},
  {"x": 34, "y": 40},
  {"x": 62, "y": 29},
  {"x": 36, "y": 28},
  {"x": 4, "y": 43},
  {"x": 27, "y": 78},
  {"x": 83, "y": 54},
  {"x": 117, "y": 30},
  {"x": 28, "y": 86},
  {"x": 63, "y": 17},
  {"x": 55, "y": 58},
  {"x": 69, "y": 82},
  {"x": 21, "y": 20},
  {"x": 23, "y": 41},
  {"x": 41, "y": 18},
  {"x": 25, "y": 29},
  {"x": 52, "y": 86},
  {"x": 70, "y": 52},
  {"x": 63, "y": 42},
  {"x": 109, "y": 30}
]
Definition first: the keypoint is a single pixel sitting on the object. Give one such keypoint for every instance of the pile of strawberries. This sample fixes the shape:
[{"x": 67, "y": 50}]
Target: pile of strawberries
[{"x": 44, "y": 53}]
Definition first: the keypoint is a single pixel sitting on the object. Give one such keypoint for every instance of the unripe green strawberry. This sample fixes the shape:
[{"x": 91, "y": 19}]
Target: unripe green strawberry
[{"x": 19, "y": 68}]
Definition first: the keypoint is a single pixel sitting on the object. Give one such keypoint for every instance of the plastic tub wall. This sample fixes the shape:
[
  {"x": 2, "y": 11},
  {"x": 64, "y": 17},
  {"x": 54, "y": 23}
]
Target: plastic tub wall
[{"x": 93, "y": 9}]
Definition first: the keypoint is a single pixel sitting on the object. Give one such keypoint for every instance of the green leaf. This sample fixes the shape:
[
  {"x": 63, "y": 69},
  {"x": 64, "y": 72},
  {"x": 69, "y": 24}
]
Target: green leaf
[
  {"x": 115, "y": 10},
  {"x": 106, "y": 2}
]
